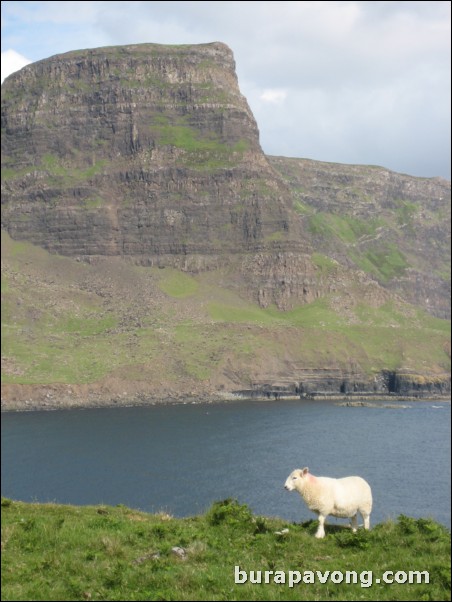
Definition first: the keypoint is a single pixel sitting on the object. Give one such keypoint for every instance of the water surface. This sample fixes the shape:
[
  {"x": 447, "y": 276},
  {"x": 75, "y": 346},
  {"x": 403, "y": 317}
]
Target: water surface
[{"x": 181, "y": 458}]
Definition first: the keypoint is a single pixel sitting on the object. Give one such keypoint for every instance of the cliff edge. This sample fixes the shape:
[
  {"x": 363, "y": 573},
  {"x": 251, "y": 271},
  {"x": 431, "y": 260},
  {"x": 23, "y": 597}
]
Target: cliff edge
[{"x": 144, "y": 226}]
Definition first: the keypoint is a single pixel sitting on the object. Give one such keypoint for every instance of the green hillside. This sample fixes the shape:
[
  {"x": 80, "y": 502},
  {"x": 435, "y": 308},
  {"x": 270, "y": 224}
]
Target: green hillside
[{"x": 66, "y": 321}]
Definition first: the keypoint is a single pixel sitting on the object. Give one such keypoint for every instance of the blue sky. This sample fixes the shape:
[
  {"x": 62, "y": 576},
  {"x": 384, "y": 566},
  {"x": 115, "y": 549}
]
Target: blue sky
[{"x": 348, "y": 82}]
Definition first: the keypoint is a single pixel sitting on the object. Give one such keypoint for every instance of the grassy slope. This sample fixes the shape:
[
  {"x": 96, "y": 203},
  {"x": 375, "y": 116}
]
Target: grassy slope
[
  {"x": 70, "y": 322},
  {"x": 55, "y": 552},
  {"x": 367, "y": 221}
]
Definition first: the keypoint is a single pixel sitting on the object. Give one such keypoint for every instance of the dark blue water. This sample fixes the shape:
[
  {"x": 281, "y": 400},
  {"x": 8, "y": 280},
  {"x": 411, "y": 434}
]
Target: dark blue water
[{"x": 181, "y": 458}]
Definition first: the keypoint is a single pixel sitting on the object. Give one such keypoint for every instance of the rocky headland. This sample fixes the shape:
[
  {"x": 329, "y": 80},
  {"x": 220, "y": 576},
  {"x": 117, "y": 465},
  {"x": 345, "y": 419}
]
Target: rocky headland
[{"x": 151, "y": 250}]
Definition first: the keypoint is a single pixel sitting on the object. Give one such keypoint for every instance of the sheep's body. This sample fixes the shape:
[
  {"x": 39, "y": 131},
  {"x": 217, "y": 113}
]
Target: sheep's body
[{"x": 343, "y": 498}]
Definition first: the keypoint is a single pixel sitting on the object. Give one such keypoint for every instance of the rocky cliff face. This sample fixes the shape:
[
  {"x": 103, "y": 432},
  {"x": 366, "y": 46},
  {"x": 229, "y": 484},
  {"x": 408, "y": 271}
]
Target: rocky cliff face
[
  {"x": 394, "y": 227},
  {"x": 149, "y": 156},
  {"x": 144, "y": 151},
  {"x": 151, "y": 152},
  {"x": 140, "y": 150}
]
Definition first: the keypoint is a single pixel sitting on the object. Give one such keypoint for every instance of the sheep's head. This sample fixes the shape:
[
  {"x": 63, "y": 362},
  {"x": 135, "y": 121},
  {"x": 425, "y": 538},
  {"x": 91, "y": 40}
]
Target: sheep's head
[{"x": 296, "y": 478}]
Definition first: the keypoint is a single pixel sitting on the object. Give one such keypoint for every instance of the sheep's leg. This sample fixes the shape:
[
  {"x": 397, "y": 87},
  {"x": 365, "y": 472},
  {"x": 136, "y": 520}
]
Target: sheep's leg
[
  {"x": 321, "y": 530},
  {"x": 354, "y": 522},
  {"x": 366, "y": 519}
]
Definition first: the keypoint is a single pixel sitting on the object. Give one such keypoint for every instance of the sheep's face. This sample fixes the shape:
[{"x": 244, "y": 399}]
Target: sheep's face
[{"x": 295, "y": 479}]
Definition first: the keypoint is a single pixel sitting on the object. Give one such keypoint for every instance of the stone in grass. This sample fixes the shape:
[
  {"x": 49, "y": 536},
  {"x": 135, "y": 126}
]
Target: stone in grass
[
  {"x": 282, "y": 533},
  {"x": 179, "y": 552}
]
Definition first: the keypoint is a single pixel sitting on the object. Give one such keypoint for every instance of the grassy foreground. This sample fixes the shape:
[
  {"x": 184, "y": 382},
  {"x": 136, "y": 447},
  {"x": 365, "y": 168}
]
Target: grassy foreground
[{"x": 56, "y": 552}]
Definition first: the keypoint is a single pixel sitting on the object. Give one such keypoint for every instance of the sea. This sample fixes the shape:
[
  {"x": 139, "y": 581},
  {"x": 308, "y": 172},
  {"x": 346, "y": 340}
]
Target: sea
[{"x": 180, "y": 458}]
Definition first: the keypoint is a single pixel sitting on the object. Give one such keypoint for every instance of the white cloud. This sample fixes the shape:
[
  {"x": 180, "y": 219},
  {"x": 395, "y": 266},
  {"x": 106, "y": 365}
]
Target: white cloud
[
  {"x": 274, "y": 96},
  {"x": 12, "y": 61}
]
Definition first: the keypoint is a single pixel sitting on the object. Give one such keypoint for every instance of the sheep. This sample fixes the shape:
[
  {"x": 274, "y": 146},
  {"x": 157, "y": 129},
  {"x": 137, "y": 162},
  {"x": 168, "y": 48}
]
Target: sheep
[{"x": 343, "y": 498}]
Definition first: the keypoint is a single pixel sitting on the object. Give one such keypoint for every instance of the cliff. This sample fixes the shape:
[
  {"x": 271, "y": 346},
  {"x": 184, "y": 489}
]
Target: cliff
[
  {"x": 144, "y": 151},
  {"x": 144, "y": 226},
  {"x": 394, "y": 227}
]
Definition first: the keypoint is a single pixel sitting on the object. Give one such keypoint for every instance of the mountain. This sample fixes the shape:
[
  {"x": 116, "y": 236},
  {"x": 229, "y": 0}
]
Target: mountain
[{"x": 150, "y": 248}]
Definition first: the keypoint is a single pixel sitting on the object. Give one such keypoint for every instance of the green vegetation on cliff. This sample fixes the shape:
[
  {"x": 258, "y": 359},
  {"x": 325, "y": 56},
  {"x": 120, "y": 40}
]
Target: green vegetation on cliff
[
  {"x": 55, "y": 552},
  {"x": 393, "y": 227},
  {"x": 65, "y": 321}
]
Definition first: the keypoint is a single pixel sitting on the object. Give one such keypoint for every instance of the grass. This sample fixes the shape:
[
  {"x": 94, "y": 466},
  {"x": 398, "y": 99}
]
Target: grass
[
  {"x": 198, "y": 352},
  {"x": 88, "y": 345},
  {"x": 311, "y": 315},
  {"x": 383, "y": 260},
  {"x": 56, "y": 552},
  {"x": 325, "y": 264},
  {"x": 186, "y": 138},
  {"x": 10, "y": 173},
  {"x": 67, "y": 343},
  {"x": 201, "y": 349},
  {"x": 200, "y": 150},
  {"x": 347, "y": 229},
  {"x": 301, "y": 208},
  {"x": 177, "y": 284},
  {"x": 244, "y": 314},
  {"x": 63, "y": 359},
  {"x": 383, "y": 263},
  {"x": 178, "y": 328},
  {"x": 405, "y": 211},
  {"x": 93, "y": 202},
  {"x": 315, "y": 334},
  {"x": 59, "y": 173}
]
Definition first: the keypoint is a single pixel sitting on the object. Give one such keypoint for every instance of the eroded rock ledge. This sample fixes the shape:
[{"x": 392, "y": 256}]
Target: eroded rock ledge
[{"x": 389, "y": 386}]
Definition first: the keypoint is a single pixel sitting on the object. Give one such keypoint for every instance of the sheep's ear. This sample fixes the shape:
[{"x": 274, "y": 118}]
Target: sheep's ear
[{"x": 305, "y": 470}]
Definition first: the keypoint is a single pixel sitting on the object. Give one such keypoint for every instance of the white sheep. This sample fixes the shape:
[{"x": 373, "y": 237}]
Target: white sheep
[{"x": 343, "y": 498}]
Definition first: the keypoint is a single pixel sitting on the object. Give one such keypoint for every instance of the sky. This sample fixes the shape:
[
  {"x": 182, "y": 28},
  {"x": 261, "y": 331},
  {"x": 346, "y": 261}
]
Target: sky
[{"x": 346, "y": 81}]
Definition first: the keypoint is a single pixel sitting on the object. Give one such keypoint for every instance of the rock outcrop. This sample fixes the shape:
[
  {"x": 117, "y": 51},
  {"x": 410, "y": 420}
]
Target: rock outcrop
[
  {"x": 149, "y": 156},
  {"x": 144, "y": 151},
  {"x": 393, "y": 226},
  {"x": 151, "y": 152}
]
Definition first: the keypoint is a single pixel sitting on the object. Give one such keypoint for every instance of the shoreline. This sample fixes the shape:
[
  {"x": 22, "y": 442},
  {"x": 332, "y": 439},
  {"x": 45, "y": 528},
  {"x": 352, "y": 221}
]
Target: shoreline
[{"x": 50, "y": 403}]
